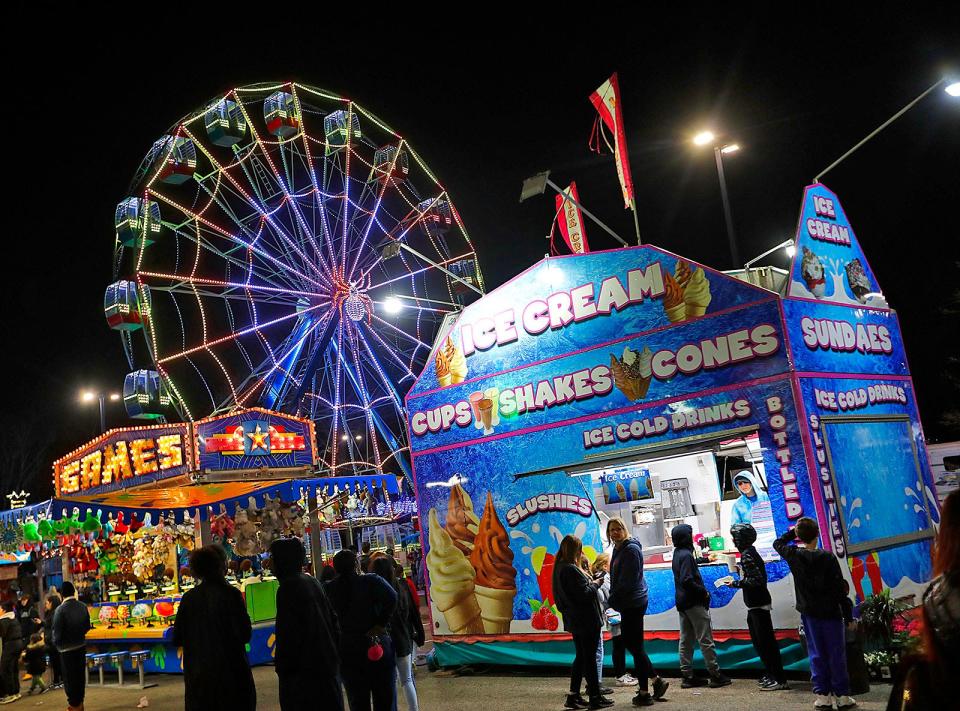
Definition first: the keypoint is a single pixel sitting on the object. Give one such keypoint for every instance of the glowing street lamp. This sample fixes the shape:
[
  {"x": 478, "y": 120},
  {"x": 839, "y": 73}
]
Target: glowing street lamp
[
  {"x": 88, "y": 396},
  {"x": 708, "y": 138},
  {"x": 953, "y": 89}
]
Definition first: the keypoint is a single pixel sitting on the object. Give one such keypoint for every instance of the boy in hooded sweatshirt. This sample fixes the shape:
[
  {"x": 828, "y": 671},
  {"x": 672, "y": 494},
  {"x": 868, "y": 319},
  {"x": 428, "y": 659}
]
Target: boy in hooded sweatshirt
[
  {"x": 750, "y": 495},
  {"x": 819, "y": 587},
  {"x": 753, "y": 582},
  {"x": 693, "y": 604}
]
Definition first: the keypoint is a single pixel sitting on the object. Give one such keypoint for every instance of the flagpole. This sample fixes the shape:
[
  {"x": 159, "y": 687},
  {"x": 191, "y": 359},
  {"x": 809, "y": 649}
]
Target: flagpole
[
  {"x": 636, "y": 225},
  {"x": 585, "y": 211}
]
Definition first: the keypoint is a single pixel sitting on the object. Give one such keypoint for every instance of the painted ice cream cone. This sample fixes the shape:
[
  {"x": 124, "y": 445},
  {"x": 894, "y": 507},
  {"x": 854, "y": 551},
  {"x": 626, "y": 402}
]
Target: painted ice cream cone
[
  {"x": 451, "y": 582},
  {"x": 442, "y": 365},
  {"x": 632, "y": 372},
  {"x": 682, "y": 273},
  {"x": 673, "y": 303},
  {"x": 621, "y": 492},
  {"x": 462, "y": 522},
  {"x": 811, "y": 269},
  {"x": 696, "y": 294},
  {"x": 495, "y": 582},
  {"x": 456, "y": 361},
  {"x": 857, "y": 279}
]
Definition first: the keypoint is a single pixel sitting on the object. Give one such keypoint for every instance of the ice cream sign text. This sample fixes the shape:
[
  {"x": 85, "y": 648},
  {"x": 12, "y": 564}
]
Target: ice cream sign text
[
  {"x": 844, "y": 337},
  {"x": 821, "y": 229},
  {"x": 560, "y": 309},
  {"x": 484, "y": 408}
]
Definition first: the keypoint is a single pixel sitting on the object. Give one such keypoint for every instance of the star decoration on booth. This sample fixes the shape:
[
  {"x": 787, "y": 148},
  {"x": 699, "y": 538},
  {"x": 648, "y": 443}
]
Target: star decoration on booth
[{"x": 258, "y": 439}]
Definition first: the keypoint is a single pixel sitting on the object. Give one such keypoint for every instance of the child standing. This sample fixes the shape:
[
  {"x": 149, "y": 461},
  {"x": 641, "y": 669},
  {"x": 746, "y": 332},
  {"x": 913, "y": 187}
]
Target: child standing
[
  {"x": 35, "y": 661},
  {"x": 693, "y": 604},
  {"x": 753, "y": 582},
  {"x": 819, "y": 587}
]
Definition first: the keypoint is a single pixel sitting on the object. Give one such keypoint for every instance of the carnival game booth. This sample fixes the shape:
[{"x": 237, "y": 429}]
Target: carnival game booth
[
  {"x": 639, "y": 384},
  {"x": 132, "y": 503}
]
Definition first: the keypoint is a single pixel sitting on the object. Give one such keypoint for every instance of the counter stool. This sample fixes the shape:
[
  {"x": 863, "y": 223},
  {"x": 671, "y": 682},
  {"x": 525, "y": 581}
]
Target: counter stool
[
  {"x": 96, "y": 661},
  {"x": 117, "y": 658},
  {"x": 138, "y": 659}
]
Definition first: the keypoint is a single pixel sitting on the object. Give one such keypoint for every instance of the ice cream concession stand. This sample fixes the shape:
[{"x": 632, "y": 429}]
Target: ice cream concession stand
[{"x": 639, "y": 384}]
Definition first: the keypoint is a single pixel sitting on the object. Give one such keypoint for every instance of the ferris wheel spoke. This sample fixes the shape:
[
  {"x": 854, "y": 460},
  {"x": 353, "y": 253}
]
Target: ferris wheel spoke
[
  {"x": 386, "y": 349},
  {"x": 256, "y": 205},
  {"x": 229, "y": 286},
  {"x": 258, "y": 251},
  {"x": 286, "y": 191},
  {"x": 376, "y": 208}
]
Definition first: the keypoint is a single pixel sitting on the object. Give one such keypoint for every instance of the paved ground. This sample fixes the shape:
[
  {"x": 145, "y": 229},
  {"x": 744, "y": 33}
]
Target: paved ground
[{"x": 493, "y": 691}]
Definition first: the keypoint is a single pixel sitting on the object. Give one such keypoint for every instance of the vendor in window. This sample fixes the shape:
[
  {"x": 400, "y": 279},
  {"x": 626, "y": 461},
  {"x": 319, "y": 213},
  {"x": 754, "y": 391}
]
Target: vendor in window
[{"x": 750, "y": 495}]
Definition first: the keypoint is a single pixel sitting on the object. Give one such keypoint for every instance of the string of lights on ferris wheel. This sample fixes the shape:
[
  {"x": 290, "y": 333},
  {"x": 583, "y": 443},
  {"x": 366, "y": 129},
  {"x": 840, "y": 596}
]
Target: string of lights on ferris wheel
[{"x": 267, "y": 263}]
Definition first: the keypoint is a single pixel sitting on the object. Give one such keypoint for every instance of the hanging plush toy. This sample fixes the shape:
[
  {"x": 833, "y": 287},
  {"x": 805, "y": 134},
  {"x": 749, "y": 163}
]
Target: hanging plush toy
[
  {"x": 120, "y": 527},
  {"x": 45, "y": 529},
  {"x": 31, "y": 537},
  {"x": 135, "y": 523},
  {"x": 91, "y": 526},
  {"x": 271, "y": 522},
  {"x": 245, "y": 534}
]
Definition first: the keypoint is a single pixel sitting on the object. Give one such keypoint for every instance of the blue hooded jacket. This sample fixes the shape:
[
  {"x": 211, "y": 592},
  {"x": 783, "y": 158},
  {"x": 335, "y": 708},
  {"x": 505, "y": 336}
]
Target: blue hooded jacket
[{"x": 743, "y": 507}]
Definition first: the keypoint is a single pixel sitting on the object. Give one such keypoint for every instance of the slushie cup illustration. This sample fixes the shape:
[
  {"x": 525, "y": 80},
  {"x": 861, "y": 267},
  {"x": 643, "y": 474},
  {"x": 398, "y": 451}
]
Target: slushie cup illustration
[
  {"x": 494, "y": 395},
  {"x": 475, "y": 399},
  {"x": 486, "y": 415}
]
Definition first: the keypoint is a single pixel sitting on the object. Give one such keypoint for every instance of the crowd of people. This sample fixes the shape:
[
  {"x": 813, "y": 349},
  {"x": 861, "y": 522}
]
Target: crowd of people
[{"x": 354, "y": 631}]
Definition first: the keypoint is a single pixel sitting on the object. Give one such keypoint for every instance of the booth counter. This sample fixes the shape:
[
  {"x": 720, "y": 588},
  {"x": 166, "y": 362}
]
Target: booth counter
[{"x": 639, "y": 384}]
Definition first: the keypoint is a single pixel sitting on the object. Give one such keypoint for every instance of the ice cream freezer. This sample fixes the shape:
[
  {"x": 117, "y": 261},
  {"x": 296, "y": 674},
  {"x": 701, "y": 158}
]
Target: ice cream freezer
[{"x": 606, "y": 361}]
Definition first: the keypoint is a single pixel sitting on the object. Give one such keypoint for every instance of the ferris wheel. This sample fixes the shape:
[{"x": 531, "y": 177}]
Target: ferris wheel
[{"x": 282, "y": 247}]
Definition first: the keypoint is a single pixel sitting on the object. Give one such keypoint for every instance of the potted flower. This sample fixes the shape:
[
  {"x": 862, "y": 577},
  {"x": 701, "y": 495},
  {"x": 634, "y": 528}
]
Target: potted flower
[{"x": 887, "y": 632}]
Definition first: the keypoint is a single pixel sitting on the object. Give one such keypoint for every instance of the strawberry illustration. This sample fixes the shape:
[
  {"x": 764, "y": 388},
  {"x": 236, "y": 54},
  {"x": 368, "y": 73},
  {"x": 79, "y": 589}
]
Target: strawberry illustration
[
  {"x": 552, "y": 622},
  {"x": 539, "y": 619}
]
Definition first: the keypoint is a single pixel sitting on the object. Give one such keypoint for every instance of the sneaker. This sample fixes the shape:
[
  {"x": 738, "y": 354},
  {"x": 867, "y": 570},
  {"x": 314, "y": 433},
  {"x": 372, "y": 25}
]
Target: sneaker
[
  {"x": 9, "y": 699},
  {"x": 764, "y": 680},
  {"x": 719, "y": 679},
  {"x": 691, "y": 681},
  {"x": 774, "y": 685},
  {"x": 822, "y": 702},
  {"x": 606, "y": 690},
  {"x": 626, "y": 680},
  {"x": 643, "y": 698},
  {"x": 845, "y": 702},
  {"x": 599, "y": 702}
]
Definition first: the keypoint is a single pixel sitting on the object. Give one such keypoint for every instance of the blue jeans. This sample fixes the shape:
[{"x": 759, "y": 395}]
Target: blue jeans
[
  {"x": 405, "y": 678},
  {"x": 826, "y": 646},
  {"x": 600, "y": 656}
]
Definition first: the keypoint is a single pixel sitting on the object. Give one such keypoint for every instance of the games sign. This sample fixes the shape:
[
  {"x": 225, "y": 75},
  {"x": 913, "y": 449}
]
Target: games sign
[
  {"x": 122, "y": 458},
  {"x": 252, "y": 439}
]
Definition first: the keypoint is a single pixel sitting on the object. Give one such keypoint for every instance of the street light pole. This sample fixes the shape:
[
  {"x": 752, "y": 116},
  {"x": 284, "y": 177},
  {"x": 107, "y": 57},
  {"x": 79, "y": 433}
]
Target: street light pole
[
  {"x": 734, "y": 255},
  {"x": 103, "y": 418}
]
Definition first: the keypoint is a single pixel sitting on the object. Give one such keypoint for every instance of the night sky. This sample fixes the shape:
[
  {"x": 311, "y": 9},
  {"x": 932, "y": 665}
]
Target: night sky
[{"x": 486, "y": 107}]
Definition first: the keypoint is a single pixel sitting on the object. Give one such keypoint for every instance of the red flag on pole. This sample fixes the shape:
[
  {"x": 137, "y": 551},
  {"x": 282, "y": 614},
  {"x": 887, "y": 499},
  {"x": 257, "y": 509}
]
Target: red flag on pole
[
  {"x": 606, "y": 100},
  {"x": 571, "y": 221}
]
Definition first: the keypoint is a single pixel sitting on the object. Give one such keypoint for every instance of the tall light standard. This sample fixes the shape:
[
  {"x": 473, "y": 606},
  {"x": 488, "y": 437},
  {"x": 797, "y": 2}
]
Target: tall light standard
[
  {"x": 720, "y": 149},
  {"x": 789, "y": 246},
  {"x": 952, "y": 88},
  {"x": 88, "y": 396}
]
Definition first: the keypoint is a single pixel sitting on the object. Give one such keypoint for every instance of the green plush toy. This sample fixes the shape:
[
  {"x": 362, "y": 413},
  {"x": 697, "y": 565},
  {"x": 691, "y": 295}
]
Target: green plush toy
[
  {"x": 46, "y": 530},
  {"x": 91, "y": 524},
  {"x": 30, "y": 534}
]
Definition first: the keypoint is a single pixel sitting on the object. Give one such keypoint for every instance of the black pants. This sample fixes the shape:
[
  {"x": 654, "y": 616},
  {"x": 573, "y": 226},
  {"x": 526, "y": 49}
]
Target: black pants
[
  {"x": 619, "y": 656},
  {"x": 10, "y": 672},
  {"x": 585, "y": 663},
  {"x": 73, "y": 664},
  {"x": 54, "y": 663},
  {"x": 363, "y": 679},
  {"x": 298, "y": 692},
  {"x": 765, "y": 642},
  {"x": 631, "y": 630}
]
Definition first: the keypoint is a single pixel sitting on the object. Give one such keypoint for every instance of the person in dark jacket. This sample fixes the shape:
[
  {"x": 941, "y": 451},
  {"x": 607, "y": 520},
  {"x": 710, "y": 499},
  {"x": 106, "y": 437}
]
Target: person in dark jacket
[
  {"x": 819, "y": 588},
  {"x": 71, "y": 622},
  {"x": 693, "y": 605},
  {"x": 628, "y": 596},
  {"x": 406, "y": 628},
  {"x": 50, "y": 606},
  {"x": 577, "y": 600},
  {"x": 756, "y": 596},
  {"x": 364, "y": 605},
  {"x": 305, "y": 621},
  {"x": 213, "y": 628},
  {"x": 28, "y": 616},
  {"x": 35, "y": 662},
  {"x": 10, "y": 654}
]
